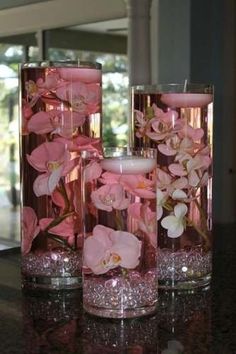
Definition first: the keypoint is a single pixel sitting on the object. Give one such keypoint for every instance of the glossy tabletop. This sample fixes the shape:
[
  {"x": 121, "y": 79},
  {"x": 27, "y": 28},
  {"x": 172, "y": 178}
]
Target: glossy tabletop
[{"x": 202, "y": 321}]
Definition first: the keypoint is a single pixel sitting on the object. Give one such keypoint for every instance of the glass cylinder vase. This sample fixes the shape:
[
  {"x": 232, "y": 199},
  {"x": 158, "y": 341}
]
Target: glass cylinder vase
[
  {"x": 60, "y": 116},
  {"x": 177, "y": 120},
  {"x": 119, "y": 254}
]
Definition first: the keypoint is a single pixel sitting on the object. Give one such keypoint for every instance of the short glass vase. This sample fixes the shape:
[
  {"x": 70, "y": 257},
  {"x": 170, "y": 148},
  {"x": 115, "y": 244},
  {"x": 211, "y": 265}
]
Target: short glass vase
[{"x": 120, "y": 244}]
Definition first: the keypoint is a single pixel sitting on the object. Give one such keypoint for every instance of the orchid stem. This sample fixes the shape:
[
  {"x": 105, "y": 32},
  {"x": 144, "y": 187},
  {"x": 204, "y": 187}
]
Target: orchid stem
[
  {"x": 57, "y": 221},
  {"x": 203, "y": 234},
  {"x": 59, "y": 240}
]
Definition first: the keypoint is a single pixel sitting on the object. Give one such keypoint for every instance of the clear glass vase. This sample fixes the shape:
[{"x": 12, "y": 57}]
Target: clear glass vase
[
  {"x": 119, "y": 254},
  {"x": 177, "y": 120},
  {"x": 60, "y": 116}
]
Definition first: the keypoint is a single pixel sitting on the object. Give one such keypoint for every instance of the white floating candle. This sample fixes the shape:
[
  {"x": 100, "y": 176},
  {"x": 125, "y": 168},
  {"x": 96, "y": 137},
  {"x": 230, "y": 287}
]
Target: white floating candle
[
  {"x": 85, "y": 75},
  {"x": 186, "y": 99},
  {"x": 129, "y": 165}
]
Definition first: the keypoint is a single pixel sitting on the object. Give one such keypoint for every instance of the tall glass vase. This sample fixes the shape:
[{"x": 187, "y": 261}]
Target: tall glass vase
[
  {"x": 177, "y": 119},
  {"x": 60, "y": 116}
]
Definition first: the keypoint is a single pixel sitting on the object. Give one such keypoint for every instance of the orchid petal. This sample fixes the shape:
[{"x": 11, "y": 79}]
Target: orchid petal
[
  {"x": 177, "y": 169},
  {"x": 179, "y": 194},
  {"x": 180, "y": 210},
  {"x": 166, "y": 150}
]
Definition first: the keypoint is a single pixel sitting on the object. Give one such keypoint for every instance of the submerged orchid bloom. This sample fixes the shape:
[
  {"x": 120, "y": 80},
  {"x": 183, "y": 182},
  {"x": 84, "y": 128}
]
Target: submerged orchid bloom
[
  {"x": 92, "y": 171},
  {"x": 164, "y": 124},
  {"x": 68, "y": 196},
  {"x": 26, "y": 114},
  {"x": 30, "y": 229},
  {"x": 143, "y": 125},
  {"x": 83, "y": 98},
  {"x": 110, "y": 196},
  {"x": 182, "y": 148},
  {"x": 188, "y": 131},
  {"x": 108, "y": 249},
  {"x": 53, "y": 159},
  {"x": 145, "y": 218},
  {"x": 50, "y": 82},
  {"x": 138, "y": 185},
  {"x": 64, "y": 229},
  {"x": 175, "y": 224},
  {"x": 58, "y": 122},
  {"x": 192, "y": 168},
  {"x": 161, "y": 200},
  {"x": 81, "y": 143},
  {"x": 168, "y": 183}
]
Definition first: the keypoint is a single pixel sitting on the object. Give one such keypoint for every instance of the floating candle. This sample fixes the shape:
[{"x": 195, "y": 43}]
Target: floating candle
[
  {"x": 186, "y": 99},
  {"x": 129, "y": 165},
  {"x": 85, "y": 75}
]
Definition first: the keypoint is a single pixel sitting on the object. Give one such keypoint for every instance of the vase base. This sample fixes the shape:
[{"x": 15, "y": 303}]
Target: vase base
[
  {"x": 51, "y": 283},
  {"x": 187, "y": 284},
  {"x": 120, "y": 313}
]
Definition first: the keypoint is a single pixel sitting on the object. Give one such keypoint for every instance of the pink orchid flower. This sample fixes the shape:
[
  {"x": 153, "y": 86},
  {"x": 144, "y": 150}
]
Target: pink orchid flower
[
  {"x": 164, "y": 124},
  {"x": 27, "y": 112},
  {"x": 72, "y": 197},
  {"x": 182, "y": 148},
  {"x": 110, "y": 196},
  {"x": 83, "y": 98},
  {"x": 108, "y": 249},
  {"x": 51, "y": 81},
  {"x": 64, "y": 229},
  {"x": 62, "y": 123},
  {"x": 166, "y": 182},
  {"x": 138, "y": 186},
  {"x": 32, "y": 89},
  {"x": 92, "y": 171},
  {"x": 145, "y": 219},
  {"x": 53, "y": 159},
  {"x": 193, "y": 168},
  {"x": 193, "y": 133},
  {"x": 175, "y": 224},
  {"x": 143, "y": 125},
  {"x": 81, "y": 143},
  {"x": 110, "y": 178},
  {"x": 30, "y": 229}
]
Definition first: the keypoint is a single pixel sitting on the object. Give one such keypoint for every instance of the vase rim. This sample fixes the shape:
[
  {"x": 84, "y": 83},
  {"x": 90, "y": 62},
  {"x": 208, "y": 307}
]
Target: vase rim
[
  {"x": 61, "y": 64},
  {"x": 187, "y": 87}
]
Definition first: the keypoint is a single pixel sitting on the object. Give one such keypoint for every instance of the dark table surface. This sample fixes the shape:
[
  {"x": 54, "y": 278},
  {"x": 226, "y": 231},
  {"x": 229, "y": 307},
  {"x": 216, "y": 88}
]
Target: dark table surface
[{"x": 202, "y": 321}]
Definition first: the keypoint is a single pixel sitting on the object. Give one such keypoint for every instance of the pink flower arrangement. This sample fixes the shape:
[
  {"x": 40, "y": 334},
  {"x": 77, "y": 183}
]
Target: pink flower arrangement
[
  {"x": 179, "y": 181},
  {"x": 127, "y": 203},
  {"x": 56, "y": 106}
]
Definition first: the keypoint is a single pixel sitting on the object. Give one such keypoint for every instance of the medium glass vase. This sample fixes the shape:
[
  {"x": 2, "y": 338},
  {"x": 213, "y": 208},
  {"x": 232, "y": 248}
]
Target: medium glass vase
[
  {"x": 60, "y": 116},
  {"x": 119, "y": 254},
  {"x": 177, "y": 120}
]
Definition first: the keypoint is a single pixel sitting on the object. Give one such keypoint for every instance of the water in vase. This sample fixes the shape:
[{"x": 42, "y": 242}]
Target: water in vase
[
  {"x": 179, "y": 125},
  {"x": 60, "y": 116},
  {"x": 119, "y": 256}
]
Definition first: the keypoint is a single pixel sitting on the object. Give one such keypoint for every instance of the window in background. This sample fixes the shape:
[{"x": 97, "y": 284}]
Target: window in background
[
  {"x": 10, "y": 56},
  {"x": 115, "y": 91}
]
